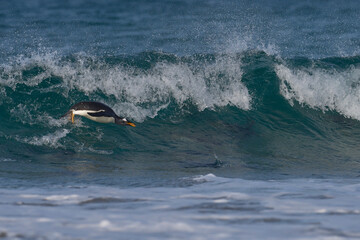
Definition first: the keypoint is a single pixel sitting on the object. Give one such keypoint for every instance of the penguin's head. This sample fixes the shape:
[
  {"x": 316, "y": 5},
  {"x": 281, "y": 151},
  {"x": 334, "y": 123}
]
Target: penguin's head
[{"x": 123, "y": 121}]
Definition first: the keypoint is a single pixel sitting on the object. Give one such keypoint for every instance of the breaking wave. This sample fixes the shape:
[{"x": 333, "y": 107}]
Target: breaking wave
[{"x": 251, "y": 104}]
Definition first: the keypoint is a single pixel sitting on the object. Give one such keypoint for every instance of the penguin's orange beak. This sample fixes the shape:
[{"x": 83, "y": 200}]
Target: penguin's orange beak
[{"x": 131, "y": 124}]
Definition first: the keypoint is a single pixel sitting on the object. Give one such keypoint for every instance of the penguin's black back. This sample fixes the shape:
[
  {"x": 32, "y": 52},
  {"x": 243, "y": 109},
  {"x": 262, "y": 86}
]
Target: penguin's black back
[{"x": 93, "y": 106}]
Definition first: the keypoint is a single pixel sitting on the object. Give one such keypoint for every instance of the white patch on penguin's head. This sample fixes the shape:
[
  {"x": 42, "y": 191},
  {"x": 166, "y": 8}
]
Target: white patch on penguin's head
[
  {"x": 123, "y": 121},
  {"x": 120, "y": 121}
]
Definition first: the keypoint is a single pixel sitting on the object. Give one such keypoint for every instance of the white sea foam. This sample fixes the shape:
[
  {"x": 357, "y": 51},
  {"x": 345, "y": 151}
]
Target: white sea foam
[
  {"x": 51, "y": 140},
  {"x": 223, "y": 208},
  {"x": 99, "y": 151},
  {"x": 134, "y": 227},
  {"x": 7, "y": 160},
  {"x": 139, "y": 93},
  {"x": 322, "y": 89},
  {"x": 25, "y": 114},
  {"x": 251, "y": 208},
  {"x": 219, "y": 196},
  {"x": 206, "y": 178},
  {"x": 158, "y": 86},
  {"x": 63, "y": 199},
  {"x": 12, "y": 73}
]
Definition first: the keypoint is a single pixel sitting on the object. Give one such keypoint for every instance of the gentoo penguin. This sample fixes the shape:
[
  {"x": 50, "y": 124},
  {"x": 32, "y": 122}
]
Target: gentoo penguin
[{"x": 97, "y": 112}]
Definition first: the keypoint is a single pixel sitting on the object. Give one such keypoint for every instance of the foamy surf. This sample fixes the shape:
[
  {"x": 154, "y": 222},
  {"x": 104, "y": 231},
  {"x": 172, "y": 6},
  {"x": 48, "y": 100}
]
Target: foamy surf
[
  {"x": 204, "y": 210},
  {"x": 140, "y": 93},
  {"x": 52, "y": 140},
  {"x": 327, "y": 90}
]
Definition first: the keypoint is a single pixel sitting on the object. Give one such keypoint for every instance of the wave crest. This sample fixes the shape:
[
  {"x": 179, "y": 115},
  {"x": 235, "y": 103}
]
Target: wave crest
[
  {"x": 132, "y": 89},
  {"x": 327, "y": 90}
]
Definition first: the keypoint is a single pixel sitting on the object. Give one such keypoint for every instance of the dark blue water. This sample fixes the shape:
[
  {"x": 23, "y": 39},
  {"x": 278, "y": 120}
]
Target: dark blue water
[
  {"x": 310, "y": 29},
  {"x": 247, "y": 117}
]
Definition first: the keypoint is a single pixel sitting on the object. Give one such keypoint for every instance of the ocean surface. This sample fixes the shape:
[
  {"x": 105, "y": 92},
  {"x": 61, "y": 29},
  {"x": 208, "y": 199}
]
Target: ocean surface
[{"x": 247, "y": 114}]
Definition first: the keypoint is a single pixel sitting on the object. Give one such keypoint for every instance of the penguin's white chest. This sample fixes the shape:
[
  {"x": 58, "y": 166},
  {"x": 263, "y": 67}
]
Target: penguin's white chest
[{"x": 99, "y": 119}]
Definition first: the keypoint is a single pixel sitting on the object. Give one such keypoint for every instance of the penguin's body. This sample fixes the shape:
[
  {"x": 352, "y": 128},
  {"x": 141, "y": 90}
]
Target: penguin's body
[{"x": 97, "y": 112}]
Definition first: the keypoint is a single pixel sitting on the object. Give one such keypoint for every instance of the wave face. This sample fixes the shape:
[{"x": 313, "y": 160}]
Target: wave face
[{"x": 243, "y": 113}]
